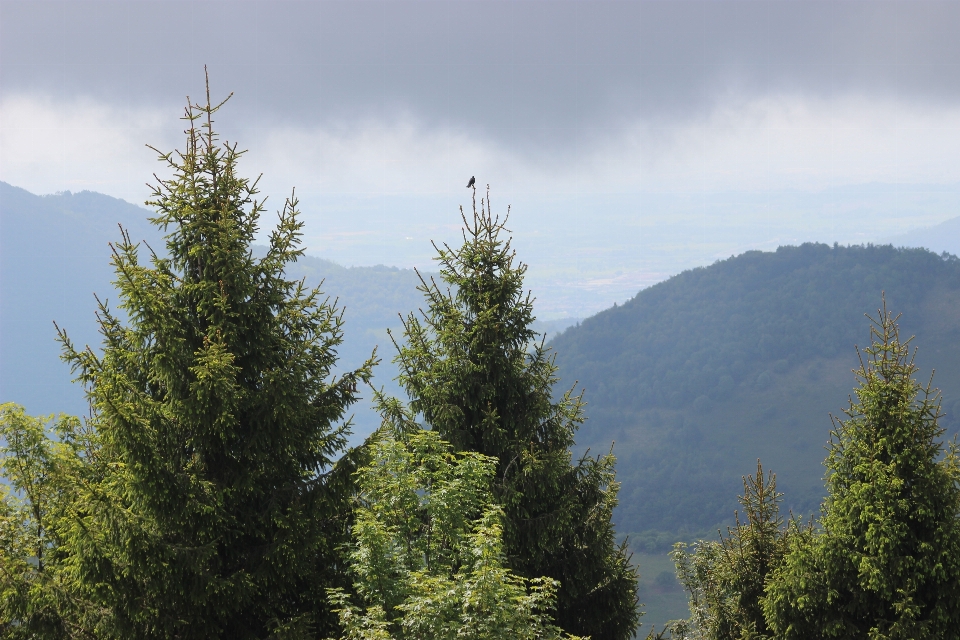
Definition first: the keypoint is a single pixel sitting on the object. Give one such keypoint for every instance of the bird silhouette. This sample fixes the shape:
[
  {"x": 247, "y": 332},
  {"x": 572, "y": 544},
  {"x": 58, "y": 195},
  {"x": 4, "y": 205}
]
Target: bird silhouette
[{"x": 473, "y": 181}]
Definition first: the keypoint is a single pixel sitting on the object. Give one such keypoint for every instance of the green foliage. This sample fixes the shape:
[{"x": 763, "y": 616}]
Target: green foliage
[
  {"x": 886, "y": 562},
  {"x": 428, "y": 553},
  {"x": 726, "y": 579},
  {"x": 475, "y": 371},
  {"x": 213, "y": 505},
  {"x": 37, "y": 594},
  {"x": 373, "y": 300},
  {"x": 698, "y": 376},
  {"x": 68, "y": 265}
]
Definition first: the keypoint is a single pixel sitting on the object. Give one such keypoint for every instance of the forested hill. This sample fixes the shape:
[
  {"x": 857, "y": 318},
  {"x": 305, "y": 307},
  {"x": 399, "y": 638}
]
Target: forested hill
[
  {"x": 694, "y": 378},
  {"x": 697, "y": 377}
]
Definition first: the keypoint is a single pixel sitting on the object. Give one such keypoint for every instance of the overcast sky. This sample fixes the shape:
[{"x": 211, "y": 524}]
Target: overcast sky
[{"x": 633, "y": 138}]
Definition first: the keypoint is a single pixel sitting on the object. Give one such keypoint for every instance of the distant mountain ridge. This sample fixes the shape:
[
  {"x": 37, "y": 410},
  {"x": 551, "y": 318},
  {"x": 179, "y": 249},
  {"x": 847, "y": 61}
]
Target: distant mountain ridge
[
  {"x": 54, "y": 256},
  {"x": 698, "y": 376},
  {"x": 938, "y": 238}
]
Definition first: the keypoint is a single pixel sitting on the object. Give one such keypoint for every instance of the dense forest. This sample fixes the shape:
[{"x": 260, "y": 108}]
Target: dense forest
[
  {"x": 753, "y": 312},
  {"x": 697, "y": 377}
]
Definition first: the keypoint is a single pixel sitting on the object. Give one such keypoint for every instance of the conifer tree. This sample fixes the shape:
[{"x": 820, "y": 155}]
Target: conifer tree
[
  {"x": 726, "y": 578},
  {"x": 475, "y": 371},
  {"x": 885, "y": 562},
  {"x": 214, "y": 506}
]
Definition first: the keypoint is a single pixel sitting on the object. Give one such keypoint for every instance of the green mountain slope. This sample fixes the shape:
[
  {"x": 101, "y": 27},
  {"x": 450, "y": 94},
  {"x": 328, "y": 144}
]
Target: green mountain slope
[{"x": 697, "y": 377}]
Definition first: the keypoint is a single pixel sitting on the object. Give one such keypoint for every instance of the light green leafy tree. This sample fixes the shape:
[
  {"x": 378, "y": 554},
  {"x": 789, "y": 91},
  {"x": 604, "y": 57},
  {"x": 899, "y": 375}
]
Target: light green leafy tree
[
  {"x": 217, "y": 498},
  {"x": 42, "y": 459},
  {"x": 483, "y": 379},
  {"x": 427, "y": 552},
  {"x": 885, "y": 561},
  {"x": 726, "y": 579}
]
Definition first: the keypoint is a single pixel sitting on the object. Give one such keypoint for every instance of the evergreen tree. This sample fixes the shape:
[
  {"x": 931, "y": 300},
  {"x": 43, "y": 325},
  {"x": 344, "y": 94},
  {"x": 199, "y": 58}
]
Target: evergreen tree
[
  {"x": 726, "y": 579},
  {"x": 213, "y": 505},
  {"x": 885, "y": 563},
  {"x": 476, "y": 372}
]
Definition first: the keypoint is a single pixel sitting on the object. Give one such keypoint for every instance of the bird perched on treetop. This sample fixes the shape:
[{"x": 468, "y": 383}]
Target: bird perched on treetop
[{"x": 473, "y": 181}]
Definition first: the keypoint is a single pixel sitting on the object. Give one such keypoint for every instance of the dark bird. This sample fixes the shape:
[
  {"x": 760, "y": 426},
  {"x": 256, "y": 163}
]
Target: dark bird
[{"x": 473, "y": 181}]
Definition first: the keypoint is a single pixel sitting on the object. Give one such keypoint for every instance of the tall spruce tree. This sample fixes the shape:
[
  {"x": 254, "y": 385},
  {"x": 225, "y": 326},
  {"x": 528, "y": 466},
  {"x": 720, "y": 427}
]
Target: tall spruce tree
[
  {"x": 475, "y": 370},
  {"x": 885, "y": 562},
  {"x": 213, "y": 505}
]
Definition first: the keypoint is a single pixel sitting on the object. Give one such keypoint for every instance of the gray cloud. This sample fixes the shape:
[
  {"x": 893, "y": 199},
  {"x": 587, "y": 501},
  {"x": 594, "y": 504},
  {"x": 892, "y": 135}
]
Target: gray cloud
[
  {"x": 635, "y": 139},
  {"x": 542, "y": 74}
]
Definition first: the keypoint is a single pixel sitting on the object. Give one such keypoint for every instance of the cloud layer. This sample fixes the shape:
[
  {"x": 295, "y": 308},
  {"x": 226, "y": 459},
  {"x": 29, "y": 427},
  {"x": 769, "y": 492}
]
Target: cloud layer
[
  {"x": 787, "y": 141},
  {"x": 49, "y": 145},
  {"x": 532, "y": 73}
]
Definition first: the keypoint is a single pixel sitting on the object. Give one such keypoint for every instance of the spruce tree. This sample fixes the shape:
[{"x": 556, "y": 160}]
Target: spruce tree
[
  {"x": 214, "y": 504},
  {"x": 475, "y": 370},
  {"x": 885, "y": 562},
  {"x": 726, "y": 578}
]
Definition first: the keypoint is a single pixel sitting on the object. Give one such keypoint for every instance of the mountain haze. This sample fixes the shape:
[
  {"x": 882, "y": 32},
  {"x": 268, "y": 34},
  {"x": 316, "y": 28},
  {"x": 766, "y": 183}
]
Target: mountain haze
[
  {"x": 698, "y": 376},
  {"x": 54, "y": 256},
  {"x": 938, "y": 238}
]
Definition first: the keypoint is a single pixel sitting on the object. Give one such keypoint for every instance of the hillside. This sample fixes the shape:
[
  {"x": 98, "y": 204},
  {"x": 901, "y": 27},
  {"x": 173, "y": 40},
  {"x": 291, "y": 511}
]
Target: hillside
[
  {"x": 697, "y": 377},
  {"x": 53, "y": 257},
  {"x": 694, "y": 378}
]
